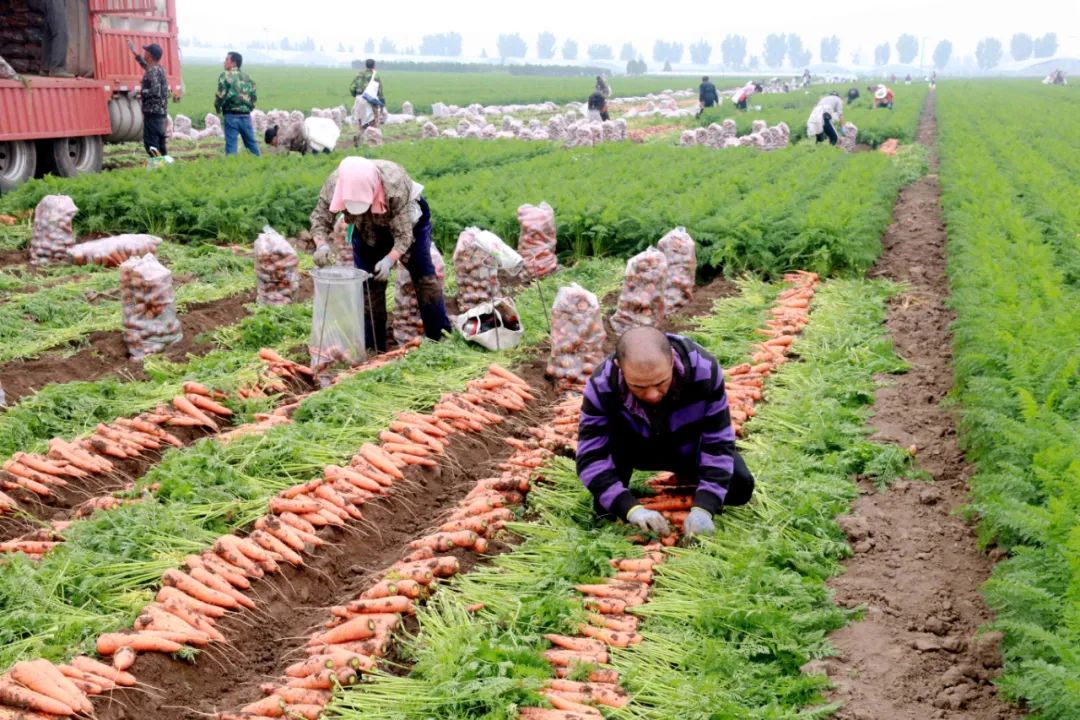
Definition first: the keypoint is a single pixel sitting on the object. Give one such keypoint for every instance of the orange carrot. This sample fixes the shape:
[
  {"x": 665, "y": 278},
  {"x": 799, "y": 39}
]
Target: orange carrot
[
  {"x": 575, "y": 643},
  {"x": 269, "y": 707},
  {"x": 389, "y": 604},
  {"x": 600, "y": 693},
  {"x": 307, "y": 712},
  {"x": 90, "y": 665},
  {"x": 43, "y": 677},
  {"x": 389, "y": 588},
  {"x": 567, "y": 658},
  {"x": 270, "y": 543},
  {"x": 325, "y": 680},
  {"x": 167, "y": 594},
  {"x": 205, "y": 403},
  {"x": 219, "y": 566},
  {"x": 329, "y": 660},
  {"x": 445, "y": 541},
  {"x": 26, "y": 699},
  {"x": 625, "y": 623},
  {"x": 611, "y": 590},
  {"x": 375, "y": 455},
  {"x": 203, "y": 593},
  {"x": 613, "y": 638},
  {"x": 607, "y": 606},
  {"x": 214, "y": 581},
  {"x": 301, "y": 696},
  {"x": 109, "y": 643},
  {"x": 561, "y": 702},
  {"x": 124, "y": 658},
  {"x": 500, "y": 371}
]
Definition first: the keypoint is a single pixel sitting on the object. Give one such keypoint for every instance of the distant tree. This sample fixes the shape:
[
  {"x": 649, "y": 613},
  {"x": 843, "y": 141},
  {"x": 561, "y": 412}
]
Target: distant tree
[
  {"x": 670, "y": 52},
  {"x": 733, "y": 50},
  {"x": 830, "y": 49},
  {"x": 442, "y": 44},
  {"x": 755, "y": 62},
  {"x": 881, "y": 54},
  {"x": 1046, "y": 46},
  {"x": 387, "y": 47},
  {"x": 285, "y": 44},
  {"x": 628, "y": 52},
  {"x": 308, "y": 45},
  {"x": 483, "y": 53},
  {"x": 635, "y": 66},
  {"x": 775, "y": 49},
  {"x": 667, "y": 66},
  {"x": 856, "y": 57},
  {"x": 569, "y": 49},
  {"x": 988, "y": 53},
  {"x": 511, "y": 46},
  {"x": 942, "y": 53},
  {"x": 600, "y": 52},
  {"x": 1021, "y": 46},
  {"x": 797, "y": 54},
  {"x": 545, "y": 46},
  {"x": 341, "y": 47},
  {"x": 369, "y": 46},
  {"x": 700, "y": 52},
  {"x": 907, "y": 47}
]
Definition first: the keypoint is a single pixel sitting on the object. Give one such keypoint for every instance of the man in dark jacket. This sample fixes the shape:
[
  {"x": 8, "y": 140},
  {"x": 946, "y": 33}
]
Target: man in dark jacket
[
  {"x": 659, "y": 403},
  {"x": 707, "y": 95},
  {"x": 154, "y": 96}
]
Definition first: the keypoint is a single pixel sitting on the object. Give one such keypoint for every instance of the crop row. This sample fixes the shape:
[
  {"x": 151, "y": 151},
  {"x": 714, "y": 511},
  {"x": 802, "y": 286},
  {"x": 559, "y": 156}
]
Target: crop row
[{"x": 1010, "y": 205}]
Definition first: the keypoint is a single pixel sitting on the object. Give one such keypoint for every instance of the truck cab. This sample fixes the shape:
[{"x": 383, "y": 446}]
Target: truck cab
[{"x": 59, "y": 123}]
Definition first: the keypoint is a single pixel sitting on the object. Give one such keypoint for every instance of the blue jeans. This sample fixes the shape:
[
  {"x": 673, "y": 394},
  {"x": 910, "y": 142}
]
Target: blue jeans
[{"x": 239, "y": 124}]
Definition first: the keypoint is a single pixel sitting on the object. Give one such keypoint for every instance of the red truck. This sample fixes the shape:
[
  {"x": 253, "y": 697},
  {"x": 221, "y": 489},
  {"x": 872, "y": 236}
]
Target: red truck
[{"x": 60, "y": 124}]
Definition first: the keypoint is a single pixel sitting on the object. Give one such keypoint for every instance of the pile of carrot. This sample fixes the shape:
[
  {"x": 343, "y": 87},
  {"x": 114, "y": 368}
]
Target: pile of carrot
[{"x": 38, "y": 689}]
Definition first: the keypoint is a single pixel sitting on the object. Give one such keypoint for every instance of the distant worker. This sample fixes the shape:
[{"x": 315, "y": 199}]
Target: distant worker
[
  {"x": 597, "y": 107},
  {"x": 56, "y": 39},
  {"x": 1056, "y": 78},
  {"x": 602, "y": 86},
  {"x": 883, "y": 97},
  {"x": 313, "y": 134},
  {"x": 659, "y": 403},
  {"x": 825, "y": 117},
  {"x": 743, "y": 94},
  {"x": 707, "y": 95},
  {"x": 907, "y": 79},
  {"x": 852, "y": 95},
  {"x": 892, "y": 79},
  {"x": 234, "y": 101},
  {"x": 389, "y": 220},
  {"x": 368, "y": 86},
  {"x": 806, "y": 78},
  {"x": 933, "y": 79},
  {"x": 154, "y": 96}
]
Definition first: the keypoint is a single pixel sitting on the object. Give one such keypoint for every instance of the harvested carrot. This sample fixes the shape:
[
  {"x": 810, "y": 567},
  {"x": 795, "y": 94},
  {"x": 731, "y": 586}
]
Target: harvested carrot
[
  {"x": 124, "y": 658},
  {"x": 535, "y": 713},
  {"x": 301, "y": 696},
  {"x": 359, "y": 628},
  {"x": 329, "y": 660},
  {"x": 561, "y": 702},
  {"x": 445, "y": 541},
  {"x": 607, "y": 606},
  {"x": 614, "y": 638},
  {"x": 26, "y": 699},
  {"x": 268, "y": 706},
  {"x": 186, "y": 407},
  {"x": 575, "y": 643},
  {"x": 90, "y": 665},
  {"x": 600, "y": 693},
  {"x": 624, "y": 623},
  {"x": 389, "y": 604},
  {"x": 166, "y": 594},
  {"x": 109, "y": 643},
  {"x": 389, "y": 588},
  {"x": 208, "y": 405},
  {"x": 307, "y": 712},
  {"x": 43, "y": 677},
  {"x": 187, "y": 584},
  {"x": 325, "y": 680},
  {"x": 383, "y": 462},
  {"x": 500, "y": 371},
  {"x": 214, "y": 581},
  {"x": 232, "y": 574},
  {"x": 269, "y": 542},
  {"x": 568, "y": 658}
]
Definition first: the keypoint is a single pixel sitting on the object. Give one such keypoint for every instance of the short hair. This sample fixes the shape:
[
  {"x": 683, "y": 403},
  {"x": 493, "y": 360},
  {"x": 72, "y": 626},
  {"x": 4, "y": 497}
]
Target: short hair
[
  {"x": 642, "y": 340},
  {"x": 237, "y": 58},
  {"x": 271, "y": 133},
  {"x": 369, "y": 64},
  {"x": 757, "y": 87},
  {"x": 704, "y": 78}
]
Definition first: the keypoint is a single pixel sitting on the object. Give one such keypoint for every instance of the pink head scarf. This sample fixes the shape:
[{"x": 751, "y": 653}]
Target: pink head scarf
[{"x": 358, "y": 180}]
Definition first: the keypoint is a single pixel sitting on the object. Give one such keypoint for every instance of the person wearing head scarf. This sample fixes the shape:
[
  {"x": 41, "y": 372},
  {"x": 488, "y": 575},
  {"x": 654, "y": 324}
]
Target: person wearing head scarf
[{"x": 388, "y": 221}]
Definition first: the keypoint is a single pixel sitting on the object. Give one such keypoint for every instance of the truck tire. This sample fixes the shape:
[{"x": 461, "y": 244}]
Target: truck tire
[
  {"x": 18, "y": 161},
  {"x": 78, "y": 155},
  {"x": 125, "y": 116}
]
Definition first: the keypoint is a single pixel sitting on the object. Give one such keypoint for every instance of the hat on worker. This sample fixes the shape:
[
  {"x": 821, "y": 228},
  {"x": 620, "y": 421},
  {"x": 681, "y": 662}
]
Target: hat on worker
[
  {"x": 881, "y": 92},
  {"x": 155, "y": 50}
]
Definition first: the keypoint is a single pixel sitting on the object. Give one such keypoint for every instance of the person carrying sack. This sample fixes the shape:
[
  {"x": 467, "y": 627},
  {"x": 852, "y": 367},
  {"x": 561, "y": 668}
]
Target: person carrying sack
[{"x": 369, "y": 88}]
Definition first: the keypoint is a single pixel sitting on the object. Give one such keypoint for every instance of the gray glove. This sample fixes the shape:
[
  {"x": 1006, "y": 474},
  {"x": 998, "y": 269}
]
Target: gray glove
[
  {"x": 324, "y": 255},
  {"x": 698, "y": 522},
  {"x": 382, "y": 268},
  {"x": 648, "y": 520}
]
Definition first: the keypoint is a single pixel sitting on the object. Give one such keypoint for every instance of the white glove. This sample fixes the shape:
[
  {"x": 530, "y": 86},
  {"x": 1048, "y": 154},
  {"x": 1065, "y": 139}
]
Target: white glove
[
  {"x": 648, "y": 520},
  {"x": 382, "y": 268},
  {"x": 698, "y": 522},
  {"x": 324, "y": 255}
]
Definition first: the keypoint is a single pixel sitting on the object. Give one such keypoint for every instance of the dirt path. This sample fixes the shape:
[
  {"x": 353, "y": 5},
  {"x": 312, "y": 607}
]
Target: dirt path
[{"x": 916, "y": 568}]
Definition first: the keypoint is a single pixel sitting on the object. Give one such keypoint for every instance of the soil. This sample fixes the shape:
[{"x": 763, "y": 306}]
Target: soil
[
  {"x": 13, "y": 257},
  {"x": 916, "y": 654}
]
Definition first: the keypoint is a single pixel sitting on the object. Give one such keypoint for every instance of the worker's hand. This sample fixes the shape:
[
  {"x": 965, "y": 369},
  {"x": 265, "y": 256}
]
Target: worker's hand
[
  {"x": 131, "y": 46},
  {"x": 648, "y": 520},
  {"x": 382, "y": 268},
  {"x": 698, "y": 522},
  {"x": 324, "y": 255}
]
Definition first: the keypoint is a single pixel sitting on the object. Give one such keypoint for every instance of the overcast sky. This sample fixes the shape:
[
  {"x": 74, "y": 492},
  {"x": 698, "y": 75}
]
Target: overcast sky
[{"x": 859, "y": 24}]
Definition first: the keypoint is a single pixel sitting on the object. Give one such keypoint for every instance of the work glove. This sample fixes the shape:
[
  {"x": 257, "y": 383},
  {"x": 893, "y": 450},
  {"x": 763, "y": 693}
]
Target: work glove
[
  {"x": 648, "y": 520},
  {"x": 698, "y": 522},
  {"x": 324, "y": 255},
  {"x": 382, "y": 268},
  {"x": 131, "y": 46}
]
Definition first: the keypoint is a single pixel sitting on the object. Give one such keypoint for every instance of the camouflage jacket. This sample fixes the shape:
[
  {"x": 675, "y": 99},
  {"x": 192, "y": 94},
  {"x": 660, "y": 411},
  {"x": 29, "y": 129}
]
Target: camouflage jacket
[
  {"x": 402, "y": 211},
  {"x": 155, "y": 89},
  {"x": 361, "y": 81},
  {"x": 293, "y": 138},
  {"x": 235, "y": 93}
]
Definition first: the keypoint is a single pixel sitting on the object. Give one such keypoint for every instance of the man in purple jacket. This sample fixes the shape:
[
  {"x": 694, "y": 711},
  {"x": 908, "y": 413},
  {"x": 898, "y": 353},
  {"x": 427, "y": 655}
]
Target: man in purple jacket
[{"x": 659, "y": 404}]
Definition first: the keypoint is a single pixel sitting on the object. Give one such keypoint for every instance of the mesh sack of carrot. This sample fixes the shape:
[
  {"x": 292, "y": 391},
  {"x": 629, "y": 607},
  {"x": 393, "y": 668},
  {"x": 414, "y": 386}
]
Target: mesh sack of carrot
[
  {"x": 112, "y": 251},
  {"x": 276, "y": 276},
  {"x": 53, "y": 233},
  {"x": 405, "y": 322},
  {"x": 577, "y": 337},
  {"x": 641, "y": 301},
  {"x": 476, "y": 268},
  {"x": 536, "y": 243},
  {"x": 681, "y": 253},
  {"x": 149, "y": 306}
]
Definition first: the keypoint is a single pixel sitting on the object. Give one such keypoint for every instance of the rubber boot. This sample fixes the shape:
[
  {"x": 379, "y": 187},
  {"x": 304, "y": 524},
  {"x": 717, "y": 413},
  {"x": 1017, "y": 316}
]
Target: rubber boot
[
  {"x": 429, "y": 296},
  {"x": 375, "y": 316}
]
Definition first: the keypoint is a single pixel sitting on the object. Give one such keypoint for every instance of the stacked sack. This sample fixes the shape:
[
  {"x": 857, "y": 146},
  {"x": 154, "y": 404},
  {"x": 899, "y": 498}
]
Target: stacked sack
[
  {"x": 181, "y": 128},
  {"x": 113, "y": 251},
  {"x": 641, "y": 301},
  {"x": 53, "y": 232},
  {"x": 681, "y": 254},
  {"x": 476, "y": 269},
  {"x": 405, "y": 321},
  {"x": 149, "y": 306},
  {"x": 577, "y": 338},
  {"x": 276, "y": 261},
  {"x": 537, "y": 240},
  {"x": 848, "y": 137},
  {"x": 373, "y": 136},
  {"x": 429, "y": 130}
]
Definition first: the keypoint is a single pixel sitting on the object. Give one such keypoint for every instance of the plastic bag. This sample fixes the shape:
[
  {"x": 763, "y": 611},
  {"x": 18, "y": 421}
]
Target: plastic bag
[
  {"x": 577, "y": 338},
  {"x": 494, "y": 325},
  {"x": 681, "y": 254},
  {"x": 337, "y": 323},
  {"x": 276, "y": 276},
  {"x": 405, "y": 322},
  {"x": 641, "y": 301},
  {"x": 476, "y": 268},
  {"x": 322, "y": 133},
  {"x": 537, "y": 240},
  {"x": 53, "y": 232},
  {"x": 149, "y": 306},
  {"x": 113, "y": 251}
]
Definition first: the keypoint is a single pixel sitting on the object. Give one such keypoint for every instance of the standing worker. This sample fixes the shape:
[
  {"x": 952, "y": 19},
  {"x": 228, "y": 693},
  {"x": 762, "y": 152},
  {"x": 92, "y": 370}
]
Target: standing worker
[
  {"x": 743, "y": 94},
  {"x": 389, "y": 220},
  {"x": 597, "y": 107},
  {"x": 820, "y": 124},
  {"x": 154, "y": 97},
  {"x": 56, "y": 39},
  {"x": 369, "y": 88},
  {"x": 883, "y": 97},
  {"x": 234, "y": 101},
  {"x": 659, "y": 403},
  {"x": 707, "y": 95}
]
